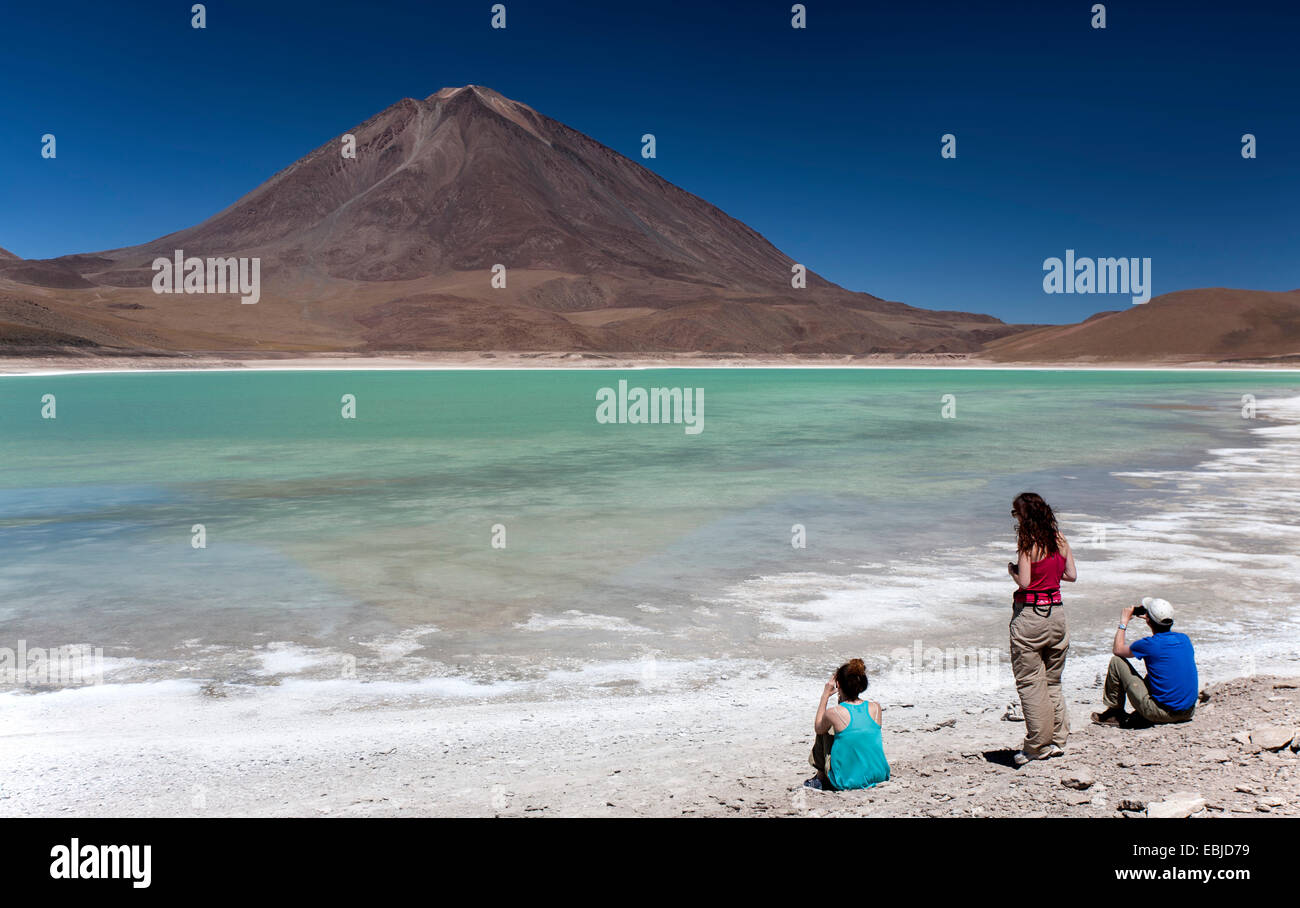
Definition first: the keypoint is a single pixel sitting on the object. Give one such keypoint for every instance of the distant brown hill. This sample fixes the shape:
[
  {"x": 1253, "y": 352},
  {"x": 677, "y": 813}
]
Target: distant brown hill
[
  {"x": 1215, "y": 323},
  {"x": 392, "y": 251}
]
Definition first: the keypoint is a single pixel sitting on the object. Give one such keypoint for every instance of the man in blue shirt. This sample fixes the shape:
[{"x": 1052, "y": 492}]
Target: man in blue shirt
[{"x": 1169, "y": 691}]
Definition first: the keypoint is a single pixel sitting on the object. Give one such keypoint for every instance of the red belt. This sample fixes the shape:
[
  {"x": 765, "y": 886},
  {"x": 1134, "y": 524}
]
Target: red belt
[{"x": 1038, "y": 597}]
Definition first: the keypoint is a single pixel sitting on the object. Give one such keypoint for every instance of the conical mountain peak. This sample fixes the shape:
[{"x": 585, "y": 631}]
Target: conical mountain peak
[{"x": 393, "y": 234}]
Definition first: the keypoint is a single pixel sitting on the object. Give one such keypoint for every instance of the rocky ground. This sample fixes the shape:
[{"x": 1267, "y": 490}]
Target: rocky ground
[
  {"x": 1238, "y": 757},
  {"x": 734, "y": 746}
]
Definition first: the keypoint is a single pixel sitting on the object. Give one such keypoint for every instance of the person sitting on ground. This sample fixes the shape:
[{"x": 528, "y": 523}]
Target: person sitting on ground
[
  {"x": 848, "y": 752},
  {"x": 1169, "y": 691}
]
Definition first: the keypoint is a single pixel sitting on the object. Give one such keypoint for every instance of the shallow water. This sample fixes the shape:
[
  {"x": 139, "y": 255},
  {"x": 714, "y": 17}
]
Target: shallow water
[{"x": 363, "y": 547}]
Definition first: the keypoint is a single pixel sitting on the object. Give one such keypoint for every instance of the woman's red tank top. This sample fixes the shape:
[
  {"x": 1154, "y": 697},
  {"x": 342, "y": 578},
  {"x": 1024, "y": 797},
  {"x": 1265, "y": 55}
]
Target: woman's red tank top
[{"x": 1046, "y": 574}]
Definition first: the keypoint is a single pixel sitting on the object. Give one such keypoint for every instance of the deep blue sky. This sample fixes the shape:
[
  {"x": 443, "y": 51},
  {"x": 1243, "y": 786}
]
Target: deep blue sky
[{"x": 1122, "y": 142}]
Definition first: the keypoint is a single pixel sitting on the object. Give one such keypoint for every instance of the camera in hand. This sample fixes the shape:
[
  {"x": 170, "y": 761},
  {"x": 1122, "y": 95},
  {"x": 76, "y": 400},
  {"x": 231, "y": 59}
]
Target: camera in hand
[{"x": 1140, "y": 611}]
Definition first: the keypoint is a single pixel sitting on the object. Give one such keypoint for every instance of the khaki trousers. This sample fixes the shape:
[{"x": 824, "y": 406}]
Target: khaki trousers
[
  {"x": 1039, "y": 642},
  {"x": 821, "y": 753},
  {"x": 1123, "y": 680}
]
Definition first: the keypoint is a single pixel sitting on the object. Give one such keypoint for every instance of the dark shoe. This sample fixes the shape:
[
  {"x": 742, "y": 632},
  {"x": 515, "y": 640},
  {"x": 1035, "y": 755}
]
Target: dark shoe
[{"x": 1114, "y": 717}]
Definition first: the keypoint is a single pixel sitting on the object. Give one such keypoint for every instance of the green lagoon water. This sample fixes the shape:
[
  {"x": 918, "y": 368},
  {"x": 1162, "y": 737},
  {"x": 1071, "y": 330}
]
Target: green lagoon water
[{"x": 367, "y": 542}]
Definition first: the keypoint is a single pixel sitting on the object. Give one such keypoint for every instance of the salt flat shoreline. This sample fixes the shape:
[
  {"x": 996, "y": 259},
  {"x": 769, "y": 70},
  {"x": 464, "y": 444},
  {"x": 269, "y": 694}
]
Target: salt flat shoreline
[
  {"x": 735, "y": 747},
  {"x": 506, "y": 360}
]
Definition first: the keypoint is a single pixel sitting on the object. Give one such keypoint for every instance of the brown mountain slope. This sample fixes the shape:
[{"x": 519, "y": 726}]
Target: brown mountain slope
[
  {"x": 1215, "y": 323},
  {"x": 393, "y": 250}
]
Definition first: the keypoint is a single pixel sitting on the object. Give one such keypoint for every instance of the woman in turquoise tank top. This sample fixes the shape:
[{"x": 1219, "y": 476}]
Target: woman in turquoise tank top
[{"x": 849, "y": 752}]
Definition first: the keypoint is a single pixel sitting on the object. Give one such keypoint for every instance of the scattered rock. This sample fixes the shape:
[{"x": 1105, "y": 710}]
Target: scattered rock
[
  {"x": 1285, "y": 685},
  {"x": 1274, "y": 737},
  {"x": 1242, "y": 737},
  {"x": 1079, "y": 779},
  {"x": 1245, "y": 789},
  {"x": 1131, "y": 805},
  {"x": 1216, "y": 756},
  {"x": 1179, "y": 804},
  {"x": 946, "y": 723}
]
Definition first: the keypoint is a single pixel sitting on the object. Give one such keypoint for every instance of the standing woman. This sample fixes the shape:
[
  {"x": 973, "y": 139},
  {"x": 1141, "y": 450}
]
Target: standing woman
[{"x": 1039, "y": 636}]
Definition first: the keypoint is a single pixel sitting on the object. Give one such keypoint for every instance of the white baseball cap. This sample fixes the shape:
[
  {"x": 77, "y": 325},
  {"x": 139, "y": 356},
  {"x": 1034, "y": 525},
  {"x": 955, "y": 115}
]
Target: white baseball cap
[{"x": 1159, "y": 610}]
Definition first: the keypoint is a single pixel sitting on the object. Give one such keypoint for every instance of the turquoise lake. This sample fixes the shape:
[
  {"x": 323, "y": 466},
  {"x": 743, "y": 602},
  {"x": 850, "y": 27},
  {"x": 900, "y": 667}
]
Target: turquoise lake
[{"x": 371, "y": 540}]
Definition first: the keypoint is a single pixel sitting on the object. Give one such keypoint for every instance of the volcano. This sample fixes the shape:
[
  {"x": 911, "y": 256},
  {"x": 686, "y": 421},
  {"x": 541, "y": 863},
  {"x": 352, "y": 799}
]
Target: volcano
[{"x": 397, "y": 248}]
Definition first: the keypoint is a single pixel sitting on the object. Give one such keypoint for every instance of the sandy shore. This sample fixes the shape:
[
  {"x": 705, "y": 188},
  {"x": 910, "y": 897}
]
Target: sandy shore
[
  {"x": 21, "y": 365},
  {"x": 733, "y": 747}
]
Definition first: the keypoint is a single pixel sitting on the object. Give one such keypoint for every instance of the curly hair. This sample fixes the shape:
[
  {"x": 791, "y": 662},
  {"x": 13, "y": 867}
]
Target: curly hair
[
  {"x": 852, "y": 678},
  {"x": 1035, "y": 524}
]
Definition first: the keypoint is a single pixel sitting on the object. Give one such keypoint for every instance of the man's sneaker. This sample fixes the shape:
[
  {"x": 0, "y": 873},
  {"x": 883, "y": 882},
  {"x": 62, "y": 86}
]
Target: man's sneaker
[
  {"x": 1053, "y": 751},
  {"x": 1115, "y": 717}
]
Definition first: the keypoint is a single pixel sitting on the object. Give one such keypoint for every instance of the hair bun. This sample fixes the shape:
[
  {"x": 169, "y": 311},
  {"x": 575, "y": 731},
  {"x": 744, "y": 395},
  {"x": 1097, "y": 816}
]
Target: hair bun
[{"x": 852, "y": 678}]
